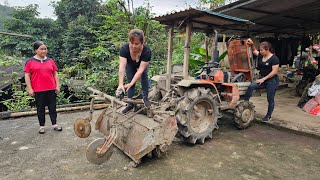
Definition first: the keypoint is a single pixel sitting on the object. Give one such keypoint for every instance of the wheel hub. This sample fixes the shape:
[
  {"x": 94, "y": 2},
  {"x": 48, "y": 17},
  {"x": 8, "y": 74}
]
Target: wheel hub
[
  {"x": 93, "y": 152},
  {"x": 201, "y": 117},
  {"x": 246, "y": 115},
  {"x": 82, "y": 128}
]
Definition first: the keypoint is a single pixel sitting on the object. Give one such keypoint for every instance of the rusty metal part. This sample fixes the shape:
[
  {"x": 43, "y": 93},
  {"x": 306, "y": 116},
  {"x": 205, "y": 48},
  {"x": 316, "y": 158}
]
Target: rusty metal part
[
  {"x": 110, "y": 98},
  {"x": 109, "y": 140},
  {"x": 82, "y": 127},
  {"x": 100, "y": 150},
  {"x": 139, "y": 135},
  {"x": 244, "y": 114},
  {"x": 134, "y": 114},
  {"x": 232, "y": 94},
  {"x": 133, "y": 133},
  {"x": 100, "y": 118},
  {"x": 93, "y": 155}
]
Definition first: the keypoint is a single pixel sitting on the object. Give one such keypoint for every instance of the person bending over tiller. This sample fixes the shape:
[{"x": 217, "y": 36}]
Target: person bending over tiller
[{"x": 134, "y": 60}]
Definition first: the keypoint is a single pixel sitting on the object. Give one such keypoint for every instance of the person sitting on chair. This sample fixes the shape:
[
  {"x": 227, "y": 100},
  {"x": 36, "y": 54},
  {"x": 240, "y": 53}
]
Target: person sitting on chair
[{"x": 268, "y": 64}]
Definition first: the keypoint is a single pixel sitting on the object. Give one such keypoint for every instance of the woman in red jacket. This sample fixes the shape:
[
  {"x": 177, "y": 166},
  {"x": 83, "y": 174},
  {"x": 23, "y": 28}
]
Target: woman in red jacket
[{"x": 43, "y": 83}]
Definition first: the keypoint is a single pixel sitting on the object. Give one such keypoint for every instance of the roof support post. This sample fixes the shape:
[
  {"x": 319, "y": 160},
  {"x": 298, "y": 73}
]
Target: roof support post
[
  {"x": 187, "y": 50},
  {"x": 169, "y": 61}
]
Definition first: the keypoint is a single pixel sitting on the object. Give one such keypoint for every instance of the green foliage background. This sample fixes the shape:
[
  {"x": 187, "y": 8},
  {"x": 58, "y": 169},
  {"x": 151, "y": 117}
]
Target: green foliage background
[
  {"x": 4, "y": 14},
  {"x": 86, "y": 37}
]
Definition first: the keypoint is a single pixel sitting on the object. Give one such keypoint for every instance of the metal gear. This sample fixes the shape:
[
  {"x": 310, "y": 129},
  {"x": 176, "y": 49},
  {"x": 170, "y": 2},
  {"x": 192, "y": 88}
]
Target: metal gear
[
  {"x": 93, "y": 149},
  {"x": 82, "y": 128}
]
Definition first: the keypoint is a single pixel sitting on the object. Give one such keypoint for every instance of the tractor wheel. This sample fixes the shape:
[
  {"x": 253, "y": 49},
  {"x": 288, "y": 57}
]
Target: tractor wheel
[
  {"x": 244, "y": 114},
  {"x": 197, "y": 115}
]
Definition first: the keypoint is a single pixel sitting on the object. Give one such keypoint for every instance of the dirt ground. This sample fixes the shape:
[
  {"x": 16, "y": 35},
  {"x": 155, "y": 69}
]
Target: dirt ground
[{"x": 259, "y": 152}]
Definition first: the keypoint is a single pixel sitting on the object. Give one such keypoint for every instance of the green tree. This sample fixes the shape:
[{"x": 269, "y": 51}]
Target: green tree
[
  {"x": 76, "y": 38},
  {"x": 79, "y": 19},
  {"x": 20, "y": 100},
  {"x": 69, "y": 10},
  {"x": 24, "y": 21},
  {"x": 115, "y": 23},
  {"x": 5, "y": 13}
]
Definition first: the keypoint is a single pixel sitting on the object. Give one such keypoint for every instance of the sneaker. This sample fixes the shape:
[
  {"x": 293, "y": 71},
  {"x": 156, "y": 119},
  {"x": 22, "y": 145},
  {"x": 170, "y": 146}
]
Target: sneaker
[
  {"x": 57, "y": 128},
  {"x": 41, "y": 130},
  {"x": 146, "y": 102},
  {"x": 128, "y": 108},
  {"x": 266, "y": 119}
]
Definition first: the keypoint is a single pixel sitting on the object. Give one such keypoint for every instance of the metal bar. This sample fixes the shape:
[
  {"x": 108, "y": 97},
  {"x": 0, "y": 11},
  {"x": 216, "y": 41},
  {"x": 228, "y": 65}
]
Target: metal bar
[{"x": 111, "y": 98}]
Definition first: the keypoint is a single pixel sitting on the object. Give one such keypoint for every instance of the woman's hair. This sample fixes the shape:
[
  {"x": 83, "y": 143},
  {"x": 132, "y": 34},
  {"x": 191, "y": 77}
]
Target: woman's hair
[
  {"x": 136, "y": 33},
  {"x": 266, "y": 46},
  {"x": 37, "y": 44}
]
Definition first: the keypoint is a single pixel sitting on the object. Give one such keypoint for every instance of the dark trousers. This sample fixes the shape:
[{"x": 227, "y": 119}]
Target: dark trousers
[
  {"x": 43, "y": 99},
  {"x": 271, "y": 86},
  {"x": 130, "y": 72}
]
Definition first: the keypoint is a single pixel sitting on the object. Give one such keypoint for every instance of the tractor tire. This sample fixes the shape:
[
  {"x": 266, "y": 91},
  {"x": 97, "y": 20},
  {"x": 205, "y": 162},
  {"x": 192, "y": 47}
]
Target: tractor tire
[
  {"x": 244, "y": 114},
  {"x": 197, "y": 115}
]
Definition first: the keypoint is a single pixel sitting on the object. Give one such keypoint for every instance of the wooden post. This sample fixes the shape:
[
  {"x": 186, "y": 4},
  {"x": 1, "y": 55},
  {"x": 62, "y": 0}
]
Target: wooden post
[
  {"x": 206, "y": 46},
  {"x": 187, "y": 51},
  {"x": 169, "y": 61}
]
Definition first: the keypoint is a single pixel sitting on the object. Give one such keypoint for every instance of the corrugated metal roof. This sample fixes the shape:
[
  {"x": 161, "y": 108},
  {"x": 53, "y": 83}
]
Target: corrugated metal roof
[
  {"x": 291, "y": 17},
  {"x": 5, "y": 74},
  {"x": 203, "y": 20}
]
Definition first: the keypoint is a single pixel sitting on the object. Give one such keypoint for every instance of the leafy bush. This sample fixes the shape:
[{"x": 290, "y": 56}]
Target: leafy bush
[
  {"x": 20, "y": 100},
  {"x": 61, "y": 98}
]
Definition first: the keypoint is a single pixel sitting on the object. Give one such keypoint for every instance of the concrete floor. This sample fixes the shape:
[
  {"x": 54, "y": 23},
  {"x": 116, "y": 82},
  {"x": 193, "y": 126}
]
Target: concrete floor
[
  {"x": 259, "y": 152},
  {"x": 286, "y": 112}
]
